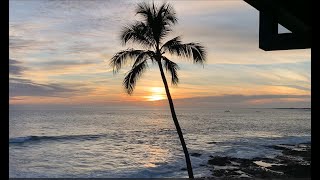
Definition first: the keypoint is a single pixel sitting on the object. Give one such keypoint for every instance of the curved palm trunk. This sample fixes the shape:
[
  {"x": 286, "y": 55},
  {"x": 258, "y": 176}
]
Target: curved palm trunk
[{"x": 176, "y": 123}]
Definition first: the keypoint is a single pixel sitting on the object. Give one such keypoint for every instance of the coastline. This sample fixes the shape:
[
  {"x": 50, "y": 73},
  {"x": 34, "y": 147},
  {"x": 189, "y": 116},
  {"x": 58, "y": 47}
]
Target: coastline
[{"x": 293, "y": 162}]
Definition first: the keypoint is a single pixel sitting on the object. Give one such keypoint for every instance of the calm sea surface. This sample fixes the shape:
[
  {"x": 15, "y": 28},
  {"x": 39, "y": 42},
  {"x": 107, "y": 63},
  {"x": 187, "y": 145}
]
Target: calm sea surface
[{"x": 143, "y": 143}]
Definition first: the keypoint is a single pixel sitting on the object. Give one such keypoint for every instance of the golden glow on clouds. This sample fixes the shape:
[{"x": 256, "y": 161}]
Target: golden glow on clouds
[
  {"x": 264, "y": 101},
  {"x": 106, "y": 94},
  {"x": 81, "y": 62}
]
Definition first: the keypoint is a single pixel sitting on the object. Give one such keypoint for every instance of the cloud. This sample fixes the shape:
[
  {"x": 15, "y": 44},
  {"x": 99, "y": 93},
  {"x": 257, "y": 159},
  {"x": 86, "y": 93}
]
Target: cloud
[
  {"x": 62, "y": 43},
  {"x": 231, "y": 35},
  {"x": 16, "y": 98},
  {"x": 52, "y": 64},
  {"x": 22, "y": 44},
  {"x": 293, "y": 75},
  {"x": 15, "y": 67},
  {"x": 24, "y": 87},
  {"x": 243, "y": 101},
  {"x": 241, "y": 98},
  {"x": 64, "y": 27},
  {"x": 296, "y": 87}
]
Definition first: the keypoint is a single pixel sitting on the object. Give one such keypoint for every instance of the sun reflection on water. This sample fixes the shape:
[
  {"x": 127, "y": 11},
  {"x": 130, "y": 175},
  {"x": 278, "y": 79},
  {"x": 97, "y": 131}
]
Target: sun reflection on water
[{"x": 154, "y": 155}]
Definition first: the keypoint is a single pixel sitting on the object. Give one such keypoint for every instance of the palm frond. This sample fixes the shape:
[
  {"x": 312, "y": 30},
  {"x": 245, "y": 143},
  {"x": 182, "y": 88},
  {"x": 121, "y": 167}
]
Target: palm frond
[
  {"x": 120, "y": 58},
  {"x": 144, "y": 56},
  {"x": 138, "y": 33},
  {"x": 165, "y": 18},
  {"x": 144, "y": 9},
  {"x": 158, "y": 19},
  {"x": 134, "y": 74},
  {"x": 172, "y": 67},
  {"x": 190, "y": 50},
  {"x": 198, "y": 52},
  {"x": 167, "y": 14},
  {"x": 167, "y": 46}
]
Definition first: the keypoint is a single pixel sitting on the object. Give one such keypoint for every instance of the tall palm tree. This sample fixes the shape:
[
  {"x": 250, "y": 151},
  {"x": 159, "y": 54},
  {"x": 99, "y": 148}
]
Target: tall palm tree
[{"x": 155, "y": 25}]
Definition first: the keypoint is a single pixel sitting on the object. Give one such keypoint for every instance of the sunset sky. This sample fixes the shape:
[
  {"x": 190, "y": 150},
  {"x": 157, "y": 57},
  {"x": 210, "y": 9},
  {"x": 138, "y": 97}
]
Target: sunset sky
[{"x": 59, "y": 54}]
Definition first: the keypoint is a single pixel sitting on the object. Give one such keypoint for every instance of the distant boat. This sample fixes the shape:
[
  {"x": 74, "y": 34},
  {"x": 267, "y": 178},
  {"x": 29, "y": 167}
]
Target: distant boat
[{"x": 227, "y": 111}]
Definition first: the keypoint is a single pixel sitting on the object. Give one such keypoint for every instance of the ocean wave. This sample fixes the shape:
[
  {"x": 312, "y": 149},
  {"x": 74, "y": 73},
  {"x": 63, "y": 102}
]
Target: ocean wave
[
  {"x": 256, "y": 147},
  {"x": 27, "y": 139}
]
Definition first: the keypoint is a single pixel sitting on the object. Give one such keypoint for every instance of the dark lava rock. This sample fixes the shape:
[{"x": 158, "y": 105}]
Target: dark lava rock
[
  {"x": 219, "y": 173},
  {"x": 219, "y": 161},
  {"x": 267, "y": 160},
  {"x": 232, "y": 172},
  {"x": 308, "y": 159},
  {"x": 259, "y": 172},
  {"x": 293, "y": 163},
  {"x": 195, "y": 154},
  {"x": 293, "y": 170},
  {"x": 226, "y": 173},
  {"x": 213, "y": 142},
  {"x": 291, "y": 152},
  {"x": 244, "y": 162},
  {"x": 278, "y": 147}
]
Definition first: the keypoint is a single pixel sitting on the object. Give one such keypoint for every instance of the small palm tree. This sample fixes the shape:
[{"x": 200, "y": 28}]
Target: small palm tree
[{"x": 155, "y": 25}]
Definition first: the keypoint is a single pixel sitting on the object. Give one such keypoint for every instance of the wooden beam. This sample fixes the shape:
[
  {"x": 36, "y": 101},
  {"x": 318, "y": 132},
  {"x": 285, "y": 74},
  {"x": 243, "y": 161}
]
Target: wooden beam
[
  {"x": 269, "y": 39},
  {"x": 271, "y": 14}
]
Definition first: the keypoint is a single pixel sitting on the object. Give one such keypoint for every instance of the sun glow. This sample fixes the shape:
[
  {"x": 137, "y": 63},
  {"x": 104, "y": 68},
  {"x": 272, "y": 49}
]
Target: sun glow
[{"x": 157, "y": 93}]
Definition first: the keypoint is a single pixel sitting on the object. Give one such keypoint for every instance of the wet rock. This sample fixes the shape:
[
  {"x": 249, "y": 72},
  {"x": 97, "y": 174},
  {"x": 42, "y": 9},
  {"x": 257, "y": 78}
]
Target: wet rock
[
  {"x": 226, "y": 173},
  {"x": 219, "y": 172},
  {"x": 219, "y": 161},
  {"x": 212, "y": 142},
  {"x": 302, "y": 153},
  {"x": 195, "y": 154},
  {"x": 278, "y": 147},
  {"x": 294, "y": 162},
  {"x": 308, "y": 159},
  {"x": 243, "y": 162},
  {"x": 232, "y": 172},
  {"x": 293, "y": 170},
  {"x": 259, "y": 172},
  {"x": 267, "y": 160}
]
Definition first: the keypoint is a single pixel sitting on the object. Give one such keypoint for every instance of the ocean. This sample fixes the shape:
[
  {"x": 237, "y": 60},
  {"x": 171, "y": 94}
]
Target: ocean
[{"x": 143, "y": 143}]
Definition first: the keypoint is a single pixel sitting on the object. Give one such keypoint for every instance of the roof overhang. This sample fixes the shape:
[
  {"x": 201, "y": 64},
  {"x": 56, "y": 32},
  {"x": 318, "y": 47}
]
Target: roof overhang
[{"x": 295, "y": 15}]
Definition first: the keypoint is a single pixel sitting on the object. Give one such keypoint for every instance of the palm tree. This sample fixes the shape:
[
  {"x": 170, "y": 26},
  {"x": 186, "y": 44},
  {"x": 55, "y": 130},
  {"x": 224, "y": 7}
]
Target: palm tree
[{"x": 149, "y": 33}]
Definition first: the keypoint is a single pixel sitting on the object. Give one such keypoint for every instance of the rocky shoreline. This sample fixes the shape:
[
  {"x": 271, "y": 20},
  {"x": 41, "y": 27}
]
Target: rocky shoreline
[{"x": 294, "y": 162}]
